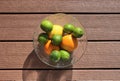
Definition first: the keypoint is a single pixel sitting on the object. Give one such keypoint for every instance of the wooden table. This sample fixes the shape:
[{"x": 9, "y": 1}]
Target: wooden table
[{"x": 18, "y": 20}]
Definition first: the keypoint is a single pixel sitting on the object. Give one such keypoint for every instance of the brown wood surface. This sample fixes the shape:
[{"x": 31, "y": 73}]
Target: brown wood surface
[
  {"x": 59, "y": 75},
  {"x": 100, "y": 18},
  {"x": 59, "y": 6},
  {"x": 21, "y": 55},
  {"x": 22, "y": 26}
]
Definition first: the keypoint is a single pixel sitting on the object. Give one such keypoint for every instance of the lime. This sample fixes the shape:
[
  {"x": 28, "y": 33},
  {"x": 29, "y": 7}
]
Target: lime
[
  {"x": 68, "y": 28},
  {"x": 55, "y": 55},
  {"x": 46, "y": 25},
  {"x": 78, "y": 32},
  {"x": 65, "y": 55},
  {"x": 56, "y": 39},
  {"x": 43, "y": 38}
]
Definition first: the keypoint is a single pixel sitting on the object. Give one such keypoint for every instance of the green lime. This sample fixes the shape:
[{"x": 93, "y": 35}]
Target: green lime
[
  {"x": 78, "y": 32},
  {"x": 43, "y": 38},
  {"x": 65, "y": 55},
  {"x": 68, "y": 28},
  {"x": 55, "y": 55},
  {"x": 56, "y": 39},
  {"x": 46, "y": 25}
]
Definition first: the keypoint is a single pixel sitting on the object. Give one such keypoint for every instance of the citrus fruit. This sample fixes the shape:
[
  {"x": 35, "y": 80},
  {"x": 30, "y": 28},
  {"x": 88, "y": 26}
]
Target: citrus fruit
[
  {"x": 65, "y": 55},
  {"x": 46, "y": 25},
  {"x": 69, "y": 42},
  {"x": 49, "y": 47},
  {"x": 78, "y": 32},
  {"x": 57, "y": 29},
  {"x": 68, "y": 28},
  {"x": 43, "y": 38},
  {"x": 56, "y": 39},
  {"x": 55, "y": 55}
]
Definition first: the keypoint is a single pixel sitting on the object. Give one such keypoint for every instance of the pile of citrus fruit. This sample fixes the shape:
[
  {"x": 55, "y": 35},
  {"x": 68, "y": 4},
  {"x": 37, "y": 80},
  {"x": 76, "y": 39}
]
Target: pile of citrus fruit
[{"x": 58, "y": 41}]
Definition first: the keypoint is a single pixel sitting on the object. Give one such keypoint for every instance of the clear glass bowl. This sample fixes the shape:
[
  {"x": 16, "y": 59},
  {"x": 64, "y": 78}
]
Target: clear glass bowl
[{"x": 60, "y": 19}]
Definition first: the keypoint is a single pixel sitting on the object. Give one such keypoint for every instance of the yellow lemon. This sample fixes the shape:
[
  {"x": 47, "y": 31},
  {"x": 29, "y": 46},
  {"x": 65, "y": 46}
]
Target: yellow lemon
[{"x": 57, "y": 29}]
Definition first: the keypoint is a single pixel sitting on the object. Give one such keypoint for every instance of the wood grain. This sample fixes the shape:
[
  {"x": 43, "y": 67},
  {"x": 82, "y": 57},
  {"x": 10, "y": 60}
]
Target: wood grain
[
  {"x": 22, "y": 27},
  {"x": 59, "y": 75},
  {"x": 59, "y": 6},
  {"x": 21, "y": 55}
]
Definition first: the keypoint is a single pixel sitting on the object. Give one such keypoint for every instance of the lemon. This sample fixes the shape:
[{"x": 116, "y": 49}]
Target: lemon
[
  {"x": 78, "y": 32},
  {"x": 57, "y": 29},
  {"x": 68, "y": 28},
  {"x": 43, "y": 38},
  {"x": 65, "y": 55},
  {"x": 55, "y": 56},
  {"x": 46, "y": 25},
  {"x": 56, "y": 39}
]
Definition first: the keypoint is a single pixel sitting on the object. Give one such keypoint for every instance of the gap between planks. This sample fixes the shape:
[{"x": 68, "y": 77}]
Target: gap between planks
[
  {"x": 66, "y": 68},
  {"x": 81, "y": 13},
  {"x": 32, "y": 40}
]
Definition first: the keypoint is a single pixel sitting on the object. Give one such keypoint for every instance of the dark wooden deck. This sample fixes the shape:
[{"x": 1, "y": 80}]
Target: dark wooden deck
[{"x": 19, "y": 19}]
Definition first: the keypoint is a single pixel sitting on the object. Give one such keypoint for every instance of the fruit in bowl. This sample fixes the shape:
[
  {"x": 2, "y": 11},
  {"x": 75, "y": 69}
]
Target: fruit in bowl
[{"x": 60, "y": 40}]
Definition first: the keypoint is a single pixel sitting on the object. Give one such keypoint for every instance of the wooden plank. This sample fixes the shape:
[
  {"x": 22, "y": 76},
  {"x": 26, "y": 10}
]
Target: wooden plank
[
  {"x": 10, "y": 75},
  {"x": 59, "y": 75},
  {"x": 21, "y": 55},
  {"x": 59, "y": 6},
  {"x": 22, "y": 27}
]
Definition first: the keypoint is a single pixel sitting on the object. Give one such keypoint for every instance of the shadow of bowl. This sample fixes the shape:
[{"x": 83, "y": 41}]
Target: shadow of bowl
[{"x": 35, "y": 70}]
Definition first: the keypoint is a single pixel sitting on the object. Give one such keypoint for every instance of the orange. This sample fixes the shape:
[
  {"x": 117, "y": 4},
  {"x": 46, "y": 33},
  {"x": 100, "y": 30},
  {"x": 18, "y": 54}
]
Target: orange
[
  {"x": 49, "y": 47},
  {"x": 69, "y": 42},
  {"x": 57, "y": 29}
]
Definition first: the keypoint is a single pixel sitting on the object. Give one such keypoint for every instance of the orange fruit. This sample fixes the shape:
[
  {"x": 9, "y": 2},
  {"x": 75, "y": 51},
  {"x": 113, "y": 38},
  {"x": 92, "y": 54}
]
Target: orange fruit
[
  {"x": 49, "y": 47},
  {"x": 57, "y": 29},
  {"x": 69, "y": 42}
]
